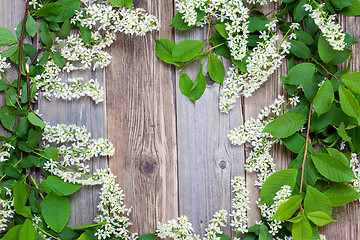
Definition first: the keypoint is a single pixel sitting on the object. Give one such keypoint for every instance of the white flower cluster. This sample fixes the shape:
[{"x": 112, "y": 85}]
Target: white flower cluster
[
  {"x": 331, "y": 30},
  {"x": 233, "y": 10},
  {"x": 3, "y": 65},
  {"x": 267, "y": 211},
  {"x": 6, "y": 210},
  {"x": 52, "y": 85},
  {"x": 355, "y": 166},
  {"x": 216, "y": 224},
  {"x": 112, "y": 210},
  {"x": 35, "y": 4},
  {"x": 104, "y": 20},
  {"x": 81, "y": 149},
  {"x": 240, "y": 205},
  {"x": 265, "y": 58},
  {"x": 179, "y": 228},
  {"x": 5, "y": 152},
  {"x": 259, "y": 159}
]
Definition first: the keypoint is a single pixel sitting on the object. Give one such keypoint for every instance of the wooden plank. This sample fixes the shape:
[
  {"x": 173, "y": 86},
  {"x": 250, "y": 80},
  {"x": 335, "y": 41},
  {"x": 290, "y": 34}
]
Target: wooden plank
[
  {"x": 207, "y": 161},
  {"x": 141, "y": 123},
  {"x": 347, "y": 227}
]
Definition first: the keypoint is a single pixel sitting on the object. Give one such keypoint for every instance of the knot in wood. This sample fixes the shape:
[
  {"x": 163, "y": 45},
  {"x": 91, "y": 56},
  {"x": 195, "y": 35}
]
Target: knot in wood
[
  {"x": 149, "y": 166},
  {"x": 222, "y": 164}
]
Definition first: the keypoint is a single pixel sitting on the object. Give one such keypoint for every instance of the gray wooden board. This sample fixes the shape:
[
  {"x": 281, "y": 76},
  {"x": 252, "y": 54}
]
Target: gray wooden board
[
  {"x": 207, "y": 161},
  {"x": 142, "y": 125}
]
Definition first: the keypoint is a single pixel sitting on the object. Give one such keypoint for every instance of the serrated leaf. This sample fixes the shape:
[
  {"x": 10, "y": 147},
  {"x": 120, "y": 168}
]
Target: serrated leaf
[
  {"x": 352, "y": 81},
  {"x": 35, "y": 120},
  {"x": 320, "y": 218},
  {"x": 326, "y": 51},
  {"x": 186, "y": 50},
  {"x": 27, "y": 231},
  {"x": 285, "y": 125},
  {"x": 55, "y": 185},
  {"x": 332, "y": 168},
  {"x": 299, "y": 49},
  {"x": 274, "y": 183},
  {"x": 122, "y": 3},
  {"x": 341, "y": 194},
  {"x": 56, "y": 217},
  {"x": 302, "y": 230},
  {"x": 324, "y": 98},
  {"x": 316, "y": 201},
  {"x": 301, "y": 73},
  {"x": 216, "y": 69},
  {"x": 288, "y": 208},
  {"x": 349, "y": 104},
  {"x": 7, "y": 38}
]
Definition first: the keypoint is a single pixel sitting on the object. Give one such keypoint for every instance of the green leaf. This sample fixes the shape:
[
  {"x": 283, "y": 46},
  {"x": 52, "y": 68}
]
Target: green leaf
[
  {"x": 122, "y": 3},
  {"x": 30, "y": 50},
  {"x": 222, "y": 50},
  {"x": 164, "y": 49},
  {"x": 285, "y": 125},
  {"x": 9, "y": 52},
  {"x": 332, "y": 168},
  {"x": 55, "y": 185},
  {"x": 341, "y": 194},
  {"x": 355, "y": 138},
  {"x": 257, "y": 24},
  {"x": 223, "y": 236},
  {"x": 300, "y": 12},
  {"x": 216, "y": 69},
  {"x": 31, "y": 26},
  {"x": 58, "y": 59},
  {"x": 3, "y": 85},
  {"x": 341, "y": 57},
  {"x": 326, "y": 51},
  {"x": 50, "y": 9},
  {"x": 294, "y": 143},
  {"x": 45, "y": 35},
  {"x": 349, "y": 104},
  {"x": 150, "y": 236},
  {"x": 11, "y": 171},
  {"x": 21, "y": 194},
  {"x": 85, "y": 34},
  {"x": 320, "y": 218},
  {"x": 186, "y": 50},
  {"x": 302, "y": 230},
  {"x": 27, "y": 231},
  {"x": 353, "y": 10},
  {"x": 29, "y": 161},
  {"x": 67, "y": 11},
  {"x": 7, "y": 118},
  {"x": 297, "y": 219},
  {"x": 264, "y": 233},
  {"x": 299, "y": 49},
  {"x": 342, "y": 132},
  {"x": 301, "y": 73},
  {"x": 324, "y": 98},
  {"x": 304, "y": 37},
  {"x": 7, "y": 38},
  {"x": 65, "y": 29},
  {"x": 51, "y": 153},
  {"x": 339, "y": 155},
  {"x": 199, "y": 86},
  {"x": 341, "y": 3},
  {"x": 179, "y": 23},
  {"x": 352, "y": 81},
  {"x": 68, "y": 234},
  {"x": 22, "y": 127},
  {"x": 55, "y": 217},
  {"x": 221, "y": 28},
  {"x": 45, "y": 57},
  {"x": 54, "y": 26},
  {"x": 274, "y": 183},
  {"x": 185, "y": 84},
  {"x": 24, "y": 147},
  {"x": 35, "y": 120},
  {"x": 316, "y": 201},
  {"x": 13, "y": 233},
  {"x": 34, "y": 137},
  {"x": 288, "y": 208}
]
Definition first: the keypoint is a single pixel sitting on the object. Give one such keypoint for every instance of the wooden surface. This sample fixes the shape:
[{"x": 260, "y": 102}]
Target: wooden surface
[{"x": 171, "y": 157}]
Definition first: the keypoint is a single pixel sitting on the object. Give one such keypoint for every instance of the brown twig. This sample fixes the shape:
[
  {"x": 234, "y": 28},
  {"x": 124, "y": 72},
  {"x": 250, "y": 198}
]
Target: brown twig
[
  {"x": 21, "y": 46},
  {"x": 35, "y": 57},
  {"x": 306, "y": 148}
]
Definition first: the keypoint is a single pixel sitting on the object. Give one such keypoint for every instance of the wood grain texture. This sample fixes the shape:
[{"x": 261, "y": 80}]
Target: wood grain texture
[
  {"x": 207, "y": 161},
  {"x": 141, "y": 123},
  {"x": 347, "y": 226}
]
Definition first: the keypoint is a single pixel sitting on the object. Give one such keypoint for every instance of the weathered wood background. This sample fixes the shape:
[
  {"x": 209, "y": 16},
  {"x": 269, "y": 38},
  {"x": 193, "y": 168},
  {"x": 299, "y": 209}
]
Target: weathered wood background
[{"x": 172, "y": 158}]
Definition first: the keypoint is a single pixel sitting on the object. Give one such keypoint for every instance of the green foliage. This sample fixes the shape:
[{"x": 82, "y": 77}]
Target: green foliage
[
  {"x": 186, "y": 50},
  {"x": 193, "y": 90},
  {"x": 352, "y": 81},
  {"x": 216, "y": 69},
  {"x": 324, "y": 98},
  {"x": 55, "y": 217},
  {"x": 285, "y": 125},
  {"x": 288, "y": 208},
  {"x": 349, "y": 104},
  {"x": 316, "y": 201},
  {"x": 339, "y": 194},
  {"x": 302, "y": 230},
  {"x": 122, "y": 3},
  {"x": 55, "y": 185},
  {"x": 320, "y": 218},
  {"x": 326, "y": 52},
  {"x": 7, "y": 38}
]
